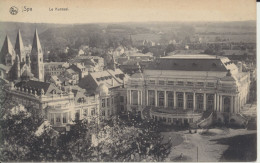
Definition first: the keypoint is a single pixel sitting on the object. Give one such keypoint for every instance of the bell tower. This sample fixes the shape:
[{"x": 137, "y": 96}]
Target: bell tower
[{"x": 37, "y": 66}]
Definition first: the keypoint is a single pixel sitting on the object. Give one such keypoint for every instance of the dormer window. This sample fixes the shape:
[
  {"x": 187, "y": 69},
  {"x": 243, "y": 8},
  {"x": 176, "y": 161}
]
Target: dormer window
[
  {"x": 214, "y": 65},
  {"x": 194, "y": 64}
]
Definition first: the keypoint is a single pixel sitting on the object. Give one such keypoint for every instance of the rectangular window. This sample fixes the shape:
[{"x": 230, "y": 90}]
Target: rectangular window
[
  {"x": 121, "y": 98},
  {"x": 161, "y": 98},
  {"x": 210, "y": 85},
  {"x": 112, "y": 100},
  {"x": 108, "y": 112},
  {"x": 200, "y": 84},
  {"x": 93, "y": 111},
  {"x": 170, "y": 83},
  {"x": 151, "y": 98},
  {"x": 190, "y": 83},
  {"x": 134, "y": 96},
  {"x": 57, "y": 119},
  {"x": 161, "y": 82},
  {"x": 103, "y": 103},
  {"x": 103, "y": 113},
  {"x": 64, "y": 118},
  {"x": 180, "y": 83},
  {"x": 85, "y": 112},
  {"x": 108, "y": 102},
  {"x": 151, "y": 82},
  {"x": 52, "y": 120}
]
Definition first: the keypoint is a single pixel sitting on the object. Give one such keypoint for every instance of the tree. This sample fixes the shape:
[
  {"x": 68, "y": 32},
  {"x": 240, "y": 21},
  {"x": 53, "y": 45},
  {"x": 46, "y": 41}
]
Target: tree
[
  {"x": 20, "y": 138},
  {"x": 119, "y": 142}
]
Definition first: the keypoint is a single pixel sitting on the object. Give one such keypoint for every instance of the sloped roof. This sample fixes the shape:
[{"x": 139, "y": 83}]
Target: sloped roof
[
  {"x": 109, "y": 77},
  {"x": 38, "y": 85},
  {"x": 195, "y": 63},
  {"x": 7, "y": 48},
  {"x": 4, "y": 67},
  {"x": 27, "y": 73}
]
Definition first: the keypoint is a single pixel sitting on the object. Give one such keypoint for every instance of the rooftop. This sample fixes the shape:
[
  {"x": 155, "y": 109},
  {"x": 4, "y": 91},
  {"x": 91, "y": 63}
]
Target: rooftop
[
  {"x": 189, "y": 63},
  {"x": 192, "y": 56}
]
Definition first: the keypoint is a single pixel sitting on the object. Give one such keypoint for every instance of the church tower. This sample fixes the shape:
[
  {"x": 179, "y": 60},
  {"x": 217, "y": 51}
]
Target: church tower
[
  {"x": 17, "y": 68},
  {"x": 37, "y": 66},
  {"x": 19, "y": 48},
  {"x": 7, "y": 53}
]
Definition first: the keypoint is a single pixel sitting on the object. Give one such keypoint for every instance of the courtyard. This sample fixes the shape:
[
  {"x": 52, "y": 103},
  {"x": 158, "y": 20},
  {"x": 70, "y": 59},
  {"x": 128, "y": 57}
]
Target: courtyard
[{"x": 213, "y": 145}]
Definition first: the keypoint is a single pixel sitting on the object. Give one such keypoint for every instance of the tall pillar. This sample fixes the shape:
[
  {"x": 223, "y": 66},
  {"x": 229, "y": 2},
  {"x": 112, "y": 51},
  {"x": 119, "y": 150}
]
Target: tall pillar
[
  {"x": 138, "y": 97},
  {"x": 54, "y": 117},
  {"x": 215, "y": 101},
  {"x": 220, "y": 104},
  {"x": 231, "y": 105},
  {"x": 165, "y": 99},
  {"x": 217, "y": 109},
  {"x": 61, "y": 118},
  {"x": 130, "y": 96},
  {"x": 141, "y": 97},
  {"x": 194, "y": 101},
  {"x": 174, "y": 100},
  {"x": 204, "y": 101},
  {"x": 147, "y": 98},
  {"x": 235, "y": 105},
  {"x": 156, "y": 99},
  {"x": 184, "y": 101}
]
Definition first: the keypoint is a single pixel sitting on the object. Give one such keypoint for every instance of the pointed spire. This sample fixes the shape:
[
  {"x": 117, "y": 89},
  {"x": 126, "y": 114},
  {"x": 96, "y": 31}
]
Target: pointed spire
[
  {"x": 7, "y": 48},
  {"x": 19, "y": 47},
  {"x": 36, "y": 46}
]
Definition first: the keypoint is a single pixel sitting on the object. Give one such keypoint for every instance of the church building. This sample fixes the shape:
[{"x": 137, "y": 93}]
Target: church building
[{"x": 17, "y": 61}]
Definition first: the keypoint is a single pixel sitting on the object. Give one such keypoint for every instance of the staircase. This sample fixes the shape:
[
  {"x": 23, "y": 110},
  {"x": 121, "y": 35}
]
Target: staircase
[{"x": 205, "y": 121}]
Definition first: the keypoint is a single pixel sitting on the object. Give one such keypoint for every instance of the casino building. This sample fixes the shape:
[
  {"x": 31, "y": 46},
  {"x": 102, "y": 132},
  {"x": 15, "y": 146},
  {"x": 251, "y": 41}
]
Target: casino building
[{"x": 181, "y": 88}]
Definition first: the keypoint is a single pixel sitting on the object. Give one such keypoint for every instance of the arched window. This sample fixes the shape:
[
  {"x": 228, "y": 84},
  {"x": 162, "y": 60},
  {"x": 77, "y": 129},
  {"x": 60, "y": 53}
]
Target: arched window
[
  {"x": 190, "y": 101},
  {"x": 134, "y": 95},
  {"x": 161, "y": 98},
  {"x": 151, "y": 98},
  {"x": 170, "y": 99},
  {"x": 200, "y": 101},
  {"x": 180, "y": 100}
]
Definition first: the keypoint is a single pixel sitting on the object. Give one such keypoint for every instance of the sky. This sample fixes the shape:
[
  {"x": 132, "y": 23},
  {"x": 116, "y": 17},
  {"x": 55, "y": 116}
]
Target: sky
[{"x": 98, "y": 11}]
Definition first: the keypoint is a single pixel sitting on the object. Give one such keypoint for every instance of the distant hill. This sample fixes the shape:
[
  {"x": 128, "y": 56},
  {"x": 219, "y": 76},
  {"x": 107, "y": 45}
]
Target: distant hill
[{"x": 60, "y": 35}]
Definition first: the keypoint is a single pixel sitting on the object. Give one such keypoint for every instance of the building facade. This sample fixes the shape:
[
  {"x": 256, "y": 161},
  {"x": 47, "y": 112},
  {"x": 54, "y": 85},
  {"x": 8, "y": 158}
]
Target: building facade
[{"x": 178, "y": 89}]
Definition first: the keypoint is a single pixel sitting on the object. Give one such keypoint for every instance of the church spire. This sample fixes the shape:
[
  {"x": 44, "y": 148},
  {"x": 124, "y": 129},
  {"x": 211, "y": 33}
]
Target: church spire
[
  {"x": 19, "y": 47},
  {"x": 37, "y": 66},
  {"x": 36, "y": 46},
  {"x": 7, "y": 52}
]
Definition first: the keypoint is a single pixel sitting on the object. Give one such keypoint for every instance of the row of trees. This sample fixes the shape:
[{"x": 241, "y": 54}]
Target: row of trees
[{"x": 25, "y": 136}]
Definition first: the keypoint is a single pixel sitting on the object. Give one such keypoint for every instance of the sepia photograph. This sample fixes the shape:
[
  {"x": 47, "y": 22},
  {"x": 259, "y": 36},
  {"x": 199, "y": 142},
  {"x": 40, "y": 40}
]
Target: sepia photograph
[{"x": 128, "y": 81}]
